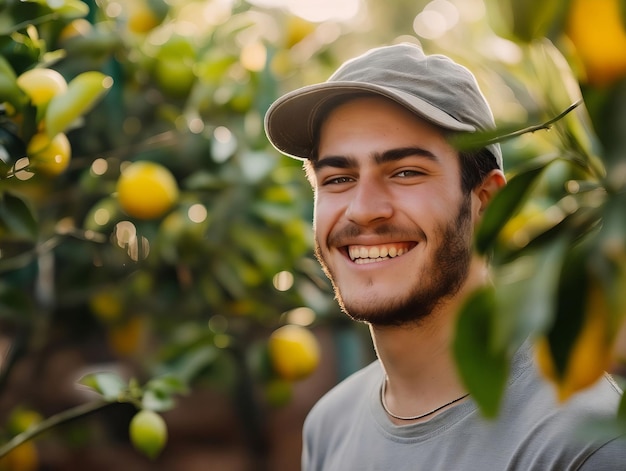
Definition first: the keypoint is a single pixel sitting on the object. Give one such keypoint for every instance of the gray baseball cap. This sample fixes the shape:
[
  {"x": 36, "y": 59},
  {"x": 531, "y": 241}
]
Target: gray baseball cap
[{"x": 432, "y": 86}]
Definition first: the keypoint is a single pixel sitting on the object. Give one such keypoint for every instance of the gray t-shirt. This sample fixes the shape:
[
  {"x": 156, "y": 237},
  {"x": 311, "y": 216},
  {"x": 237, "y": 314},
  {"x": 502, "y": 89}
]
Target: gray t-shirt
[{"x": 348, "y": 430}]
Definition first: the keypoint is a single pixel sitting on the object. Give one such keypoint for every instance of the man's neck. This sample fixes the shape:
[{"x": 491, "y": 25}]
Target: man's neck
[{"x": 418, "y": 359}]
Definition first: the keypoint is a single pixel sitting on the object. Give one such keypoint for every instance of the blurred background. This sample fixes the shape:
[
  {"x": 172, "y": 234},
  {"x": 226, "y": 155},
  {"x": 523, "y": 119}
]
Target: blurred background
[{"x": 165, "y": 287}]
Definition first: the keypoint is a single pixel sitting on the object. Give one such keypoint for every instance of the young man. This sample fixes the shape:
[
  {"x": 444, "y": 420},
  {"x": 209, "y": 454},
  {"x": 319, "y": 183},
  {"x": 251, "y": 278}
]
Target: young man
[{"x": 395, "y": 209}]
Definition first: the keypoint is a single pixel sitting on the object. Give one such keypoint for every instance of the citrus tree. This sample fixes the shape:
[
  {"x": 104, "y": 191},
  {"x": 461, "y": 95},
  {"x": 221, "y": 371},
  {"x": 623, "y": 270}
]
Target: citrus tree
[
  {"x": 142, "y": 210},
  {"x": 557, "y": 231}
]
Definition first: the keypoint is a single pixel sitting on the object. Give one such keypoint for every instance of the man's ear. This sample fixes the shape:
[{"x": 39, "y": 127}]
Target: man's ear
[{"x": 488, "y": 188}]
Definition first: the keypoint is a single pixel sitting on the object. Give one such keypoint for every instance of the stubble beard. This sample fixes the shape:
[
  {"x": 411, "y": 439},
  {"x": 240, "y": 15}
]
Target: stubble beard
[{"x": 441, "y": 277}]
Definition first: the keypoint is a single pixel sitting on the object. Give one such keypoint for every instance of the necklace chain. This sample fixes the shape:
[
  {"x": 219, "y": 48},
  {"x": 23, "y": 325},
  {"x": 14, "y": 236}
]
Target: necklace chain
[{"x": 383, "y": 390}]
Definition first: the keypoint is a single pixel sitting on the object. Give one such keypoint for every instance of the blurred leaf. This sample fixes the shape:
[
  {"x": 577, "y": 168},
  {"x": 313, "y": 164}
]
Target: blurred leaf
[
  {"x": 157, "y": 401},
  {"x": 9, "y": 91},
  {"x": 570, "y": 308},
  {"x": 507, "y": 202},
  {"x": 109, "y": 385},
  {"x": 526, "y": 300},
  {"x": 192, "y": 362},
  {"x": 525, "y": 20},
  {"x": 13, "y": 302},
  {"x": 483, "y": 368},
  {"x": 159, "y": 392},
  {"x": 82, "y": 93},
  {"x": 472, "y": 141},
  {"x": 12, "y": 148},
  {"x": 560, "y": 88},
  {"x": 608, "y": 261},
  {"x": 17, "y": 221},
  {"x": 169, "y": 384}
]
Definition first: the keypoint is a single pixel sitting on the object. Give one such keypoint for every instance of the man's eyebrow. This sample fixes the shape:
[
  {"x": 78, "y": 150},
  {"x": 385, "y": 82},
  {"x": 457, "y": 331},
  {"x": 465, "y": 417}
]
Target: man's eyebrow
[
  {"x": 390, "y": 155},
  {"x": 335, "y": 161}
]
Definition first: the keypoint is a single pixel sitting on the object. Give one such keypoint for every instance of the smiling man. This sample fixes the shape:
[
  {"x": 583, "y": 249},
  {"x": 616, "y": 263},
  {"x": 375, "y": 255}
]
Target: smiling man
[{"x": 396, "y": 206}]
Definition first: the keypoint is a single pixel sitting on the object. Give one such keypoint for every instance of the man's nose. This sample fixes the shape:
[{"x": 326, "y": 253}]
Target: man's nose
[{"x": 370, "y": 203}]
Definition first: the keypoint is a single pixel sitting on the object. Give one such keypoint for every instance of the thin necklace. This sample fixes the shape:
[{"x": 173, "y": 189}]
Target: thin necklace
[{"x": 383, "y": 390}]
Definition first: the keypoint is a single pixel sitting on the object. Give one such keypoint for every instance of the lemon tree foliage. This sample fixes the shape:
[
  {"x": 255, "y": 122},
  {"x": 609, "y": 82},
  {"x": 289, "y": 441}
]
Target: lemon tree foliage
[
  {"x": 142, "y": 210},
  {"x": 557, "y": 240}
]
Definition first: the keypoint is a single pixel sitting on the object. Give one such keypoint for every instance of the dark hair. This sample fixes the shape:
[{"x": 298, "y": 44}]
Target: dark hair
[{"x": 475, "y": 166}]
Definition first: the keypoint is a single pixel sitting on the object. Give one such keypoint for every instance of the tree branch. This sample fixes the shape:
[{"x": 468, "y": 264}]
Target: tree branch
[{"x": 52, "y": 421}]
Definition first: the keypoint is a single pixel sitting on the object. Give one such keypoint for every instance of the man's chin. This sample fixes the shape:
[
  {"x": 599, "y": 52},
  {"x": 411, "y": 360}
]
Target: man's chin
[{"x": 387, "y": 313}]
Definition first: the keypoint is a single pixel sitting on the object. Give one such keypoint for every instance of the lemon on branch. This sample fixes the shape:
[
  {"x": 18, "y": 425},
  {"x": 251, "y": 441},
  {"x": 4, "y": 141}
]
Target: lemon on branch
[
  {"x": 597, "y": 30},
  {"x": 49, "y": 156},
  {"x": 148, "y": 432},
  {"x": 590, "y": 355},
  {"x": 294, "y": 352},
  {"x": 146, "y": 190}
]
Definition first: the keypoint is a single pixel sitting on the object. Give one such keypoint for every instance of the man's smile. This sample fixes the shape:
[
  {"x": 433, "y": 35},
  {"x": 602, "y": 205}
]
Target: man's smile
[{"x": 361, "y": 254}]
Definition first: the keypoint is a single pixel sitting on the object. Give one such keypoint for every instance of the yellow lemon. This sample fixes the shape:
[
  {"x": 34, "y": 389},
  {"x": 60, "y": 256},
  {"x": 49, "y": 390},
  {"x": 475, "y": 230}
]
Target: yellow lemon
[
  {"x": 107, "y": 305},
  {"x": 49, "y": 156},
  {"x": 146, "y": 190},
  {"x": 294, "y": 352},
  {"x": 591, "y": 354},
  {"x": 148, "y": 432},
  {"x": 595, "y": 27},
  {"x": 41, "y": 84}
]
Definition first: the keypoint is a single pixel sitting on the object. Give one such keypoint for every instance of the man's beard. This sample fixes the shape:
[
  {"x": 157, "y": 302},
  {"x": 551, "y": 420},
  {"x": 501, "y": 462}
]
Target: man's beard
[{"x": 441, "y": 277}]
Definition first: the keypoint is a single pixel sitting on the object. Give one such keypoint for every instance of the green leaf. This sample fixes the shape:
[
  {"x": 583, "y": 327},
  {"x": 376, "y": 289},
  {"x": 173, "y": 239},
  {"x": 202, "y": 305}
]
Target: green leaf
[
  {"x": 82, "y": 93},
  {"x": 14, "y": 302},
  {"x": 194, "y": 361},
  {"x": 68, "y": 9},
  {"x": 12, "y": 148},
  {"x": 525, "y": 20},
  {"x": 527, "y": 299},
  {"x": 17, "y": 221},
  {"x": 506, "y": 203},
  {"x": 159, "y": 392},
  {"x": 108, "y": 384},
  {"x": 570, "y": 307},
  {"x": 9, "y": 90},
  {"x": 483, "y": 369},
  {"x": 560, "y": 88},
  {"x": 157, "y": 401}
]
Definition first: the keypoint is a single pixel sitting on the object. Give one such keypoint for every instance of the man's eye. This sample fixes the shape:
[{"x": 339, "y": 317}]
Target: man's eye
[
  {"x": 337, "y": 180},
  {"x": 409, "y": 173}
]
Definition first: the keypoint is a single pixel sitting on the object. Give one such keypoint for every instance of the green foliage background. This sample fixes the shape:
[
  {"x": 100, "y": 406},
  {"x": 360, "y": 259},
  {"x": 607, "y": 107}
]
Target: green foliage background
[{"x": 190, "y": 93}]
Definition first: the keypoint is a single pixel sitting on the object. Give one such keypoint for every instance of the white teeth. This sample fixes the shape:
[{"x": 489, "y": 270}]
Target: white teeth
[{"x": 363, "y": 254}]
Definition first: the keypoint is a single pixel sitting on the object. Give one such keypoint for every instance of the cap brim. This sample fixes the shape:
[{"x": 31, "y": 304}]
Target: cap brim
[{"x": 290, "y": 121}]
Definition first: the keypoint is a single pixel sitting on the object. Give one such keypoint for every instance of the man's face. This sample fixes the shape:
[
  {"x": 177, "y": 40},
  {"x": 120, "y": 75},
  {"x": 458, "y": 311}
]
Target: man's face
[{"x": 393, "y": 230}]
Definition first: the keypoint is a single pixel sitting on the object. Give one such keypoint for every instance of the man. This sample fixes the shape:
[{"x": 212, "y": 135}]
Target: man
[{"x": 395, "y": 209}]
